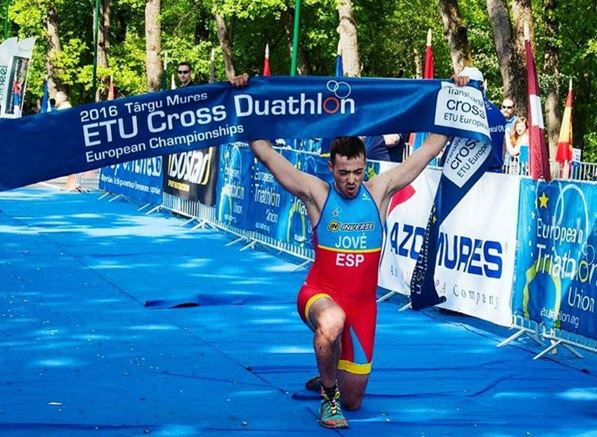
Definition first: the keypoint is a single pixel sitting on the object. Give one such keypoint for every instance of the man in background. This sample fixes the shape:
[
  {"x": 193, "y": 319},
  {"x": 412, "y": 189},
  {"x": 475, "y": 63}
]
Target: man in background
[{"x": 185, "y": 74}]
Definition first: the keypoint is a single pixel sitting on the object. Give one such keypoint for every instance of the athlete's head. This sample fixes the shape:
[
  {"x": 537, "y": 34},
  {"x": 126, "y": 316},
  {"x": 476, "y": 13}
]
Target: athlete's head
[{"x": 347, "y": 164}]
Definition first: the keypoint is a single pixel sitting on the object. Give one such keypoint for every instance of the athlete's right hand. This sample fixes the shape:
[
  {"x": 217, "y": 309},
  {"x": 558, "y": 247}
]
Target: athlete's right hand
[{"x": 240, "y": 81}]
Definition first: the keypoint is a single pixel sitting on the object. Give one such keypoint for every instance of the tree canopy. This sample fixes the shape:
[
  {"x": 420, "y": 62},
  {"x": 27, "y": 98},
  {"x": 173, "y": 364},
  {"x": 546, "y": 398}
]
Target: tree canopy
[{"x": 391, "y": 43}]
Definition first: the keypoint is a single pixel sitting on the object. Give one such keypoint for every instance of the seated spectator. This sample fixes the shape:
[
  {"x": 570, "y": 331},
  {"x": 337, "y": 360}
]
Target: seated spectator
[
  {"x": 519, "y": 146},
  {"x": 385, "y": 147}
]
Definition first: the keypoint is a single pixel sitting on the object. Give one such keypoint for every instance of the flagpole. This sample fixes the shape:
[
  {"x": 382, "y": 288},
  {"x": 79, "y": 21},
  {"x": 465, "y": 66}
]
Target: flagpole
[
  {"x": 165, "y": 70},
  {"x": 95, "y": 41},
  {"x": 6, "y": 5},
  {"x": 212, "y": 66},
  {"x": 297, "y": 13}
]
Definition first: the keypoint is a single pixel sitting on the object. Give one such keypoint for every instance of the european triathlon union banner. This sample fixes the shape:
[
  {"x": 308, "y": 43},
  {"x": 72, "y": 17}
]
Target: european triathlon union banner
[
  {"x": 556, "y": 266},
  {"x": 58, "y": 143},
  {"x": 234, "y": 184},
  {"x": 140, "y": 179},
  {"x": 295, "y": 228},
  {"x": 268, "y": 204}
]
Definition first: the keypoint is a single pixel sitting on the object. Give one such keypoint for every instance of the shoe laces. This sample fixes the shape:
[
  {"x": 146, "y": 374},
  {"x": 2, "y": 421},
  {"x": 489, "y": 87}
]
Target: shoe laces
[{"x": 333, "y": 403}]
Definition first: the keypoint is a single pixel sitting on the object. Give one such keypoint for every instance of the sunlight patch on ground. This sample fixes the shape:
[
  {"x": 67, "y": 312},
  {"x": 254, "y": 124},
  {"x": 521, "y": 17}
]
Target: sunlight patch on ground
[
  {"x": 580, "y": 394},
  {"x": 56, "y": 362},
  {"x": 175, "y": 430},
  {"x": 289, "y": 350},
  {"x": 153, "y": 328}
]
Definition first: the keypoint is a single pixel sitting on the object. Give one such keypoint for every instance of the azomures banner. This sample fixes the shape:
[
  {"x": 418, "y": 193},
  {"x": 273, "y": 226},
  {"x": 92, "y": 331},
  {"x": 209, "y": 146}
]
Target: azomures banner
[{"x": 44, "y": 146}]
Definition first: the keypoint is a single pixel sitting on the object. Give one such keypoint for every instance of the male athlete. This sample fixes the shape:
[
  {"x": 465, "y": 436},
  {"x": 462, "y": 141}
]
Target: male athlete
[{"x": 337, "y": 300}]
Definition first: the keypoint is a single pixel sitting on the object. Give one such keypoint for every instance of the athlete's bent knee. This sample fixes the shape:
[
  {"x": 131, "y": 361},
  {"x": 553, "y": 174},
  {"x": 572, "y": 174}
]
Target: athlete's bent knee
[
  {"x": 330, "y": 323},
  {"x": 352, "y": 402}
]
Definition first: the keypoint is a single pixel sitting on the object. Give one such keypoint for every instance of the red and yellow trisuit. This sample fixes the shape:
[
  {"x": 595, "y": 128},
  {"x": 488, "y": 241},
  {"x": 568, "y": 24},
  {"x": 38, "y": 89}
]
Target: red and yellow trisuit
[{"x": 348, "y": 241}]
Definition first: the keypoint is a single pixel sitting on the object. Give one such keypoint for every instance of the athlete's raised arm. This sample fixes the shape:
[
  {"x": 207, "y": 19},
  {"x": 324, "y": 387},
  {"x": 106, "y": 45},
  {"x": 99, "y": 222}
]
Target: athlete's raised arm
[{"x": 305, "y": 186}]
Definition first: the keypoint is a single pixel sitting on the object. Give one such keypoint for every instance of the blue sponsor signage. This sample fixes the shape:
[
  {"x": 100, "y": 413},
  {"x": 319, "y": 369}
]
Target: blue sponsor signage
[{"x": 556, "y": 265}]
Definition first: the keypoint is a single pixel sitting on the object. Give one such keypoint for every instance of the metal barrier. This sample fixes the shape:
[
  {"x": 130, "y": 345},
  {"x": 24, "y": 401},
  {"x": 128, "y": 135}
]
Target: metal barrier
[
  {"x": 206, "y": 215},
  {"x": 567, "y": 339},
  {"x": 526, "y": 327},
  {"x": 87, "y": 181},
  {"x": 577, "y": 171}
]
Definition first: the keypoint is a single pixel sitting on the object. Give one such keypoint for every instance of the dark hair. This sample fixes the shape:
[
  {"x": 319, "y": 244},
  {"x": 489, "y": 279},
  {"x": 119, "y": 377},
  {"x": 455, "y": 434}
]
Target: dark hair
[
  {"x": 180, "y": 64},
  {"x": 351, "y": 147}
]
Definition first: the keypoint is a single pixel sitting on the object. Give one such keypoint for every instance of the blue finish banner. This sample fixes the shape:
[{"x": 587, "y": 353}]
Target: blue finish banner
[
  {"x": 556, "y": 265},
  {"x": 58, "y": 143},
  {"x": 467, "y": 160},
  {"x": 140, "y": 179}
]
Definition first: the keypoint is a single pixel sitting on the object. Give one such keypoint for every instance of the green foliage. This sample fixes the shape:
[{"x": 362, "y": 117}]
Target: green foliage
[{"x": 390, "y": 35}]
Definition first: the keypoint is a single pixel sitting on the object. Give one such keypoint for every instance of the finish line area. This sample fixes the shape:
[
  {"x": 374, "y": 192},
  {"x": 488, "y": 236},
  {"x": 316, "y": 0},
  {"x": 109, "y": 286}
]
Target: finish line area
[{"x": 117, "y": 323}]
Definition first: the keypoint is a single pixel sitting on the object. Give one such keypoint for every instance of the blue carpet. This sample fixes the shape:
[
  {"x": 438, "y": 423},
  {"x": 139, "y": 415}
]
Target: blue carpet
[{"x": 114, "y": 323}]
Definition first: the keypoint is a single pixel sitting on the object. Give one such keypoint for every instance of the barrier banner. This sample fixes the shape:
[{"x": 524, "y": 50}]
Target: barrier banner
[
  {"x": 295, "y": 228},
  {"x": 192, "y": 175},
  {"x": 8, "y": 49},
  {"x": 13, "y": 95},
  {"x": 45, "y": 146},
  {"x": 556, "y": 282},
  {"x": 268, "y": 210},
  {"x": 474, "y": 263},
  {"x": 140, "y": 179},
  {"x": 234, "y": 184}
]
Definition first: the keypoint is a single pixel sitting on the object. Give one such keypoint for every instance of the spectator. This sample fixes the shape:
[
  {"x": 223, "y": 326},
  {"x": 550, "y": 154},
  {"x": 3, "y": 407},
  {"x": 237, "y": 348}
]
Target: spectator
[
  {"x": 519, "y": 150},
  {"x": 385, "y": 147},
  {"x": 508, "y": 110},
  {"x": 185, "y": 74},
  {"x": 62, "y": 101}
]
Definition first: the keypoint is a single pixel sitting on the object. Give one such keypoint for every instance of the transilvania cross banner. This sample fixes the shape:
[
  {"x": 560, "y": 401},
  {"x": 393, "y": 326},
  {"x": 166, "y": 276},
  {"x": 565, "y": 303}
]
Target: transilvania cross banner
[{"x": 45, "y": 146}]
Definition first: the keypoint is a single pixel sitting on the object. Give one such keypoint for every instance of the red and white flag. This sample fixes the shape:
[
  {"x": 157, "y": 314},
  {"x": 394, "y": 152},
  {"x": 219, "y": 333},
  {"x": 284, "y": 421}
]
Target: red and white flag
[
  {"x": 564, "y": 153},
  {"x": 266, "y": 70},
  {"x": 417, "y": 139},
  {"x": 539, "y": 155}
]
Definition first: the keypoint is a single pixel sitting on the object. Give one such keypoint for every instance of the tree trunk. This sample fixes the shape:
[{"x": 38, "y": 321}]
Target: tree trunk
[
  {"x": 103, "y": 43},
  {"x": 153, "y": 45},
  {"x": 456, "y": 33},
  {"x": 303, "y": 67},
  {"x": 512, "y": 62},
  {"x": 347, "y": 29},
  {"x": 53, "y": 49},
  {"x": 102, "y": 36},
  {"x": 551, "y": 69},
  {"x": 226, "y": 46}
]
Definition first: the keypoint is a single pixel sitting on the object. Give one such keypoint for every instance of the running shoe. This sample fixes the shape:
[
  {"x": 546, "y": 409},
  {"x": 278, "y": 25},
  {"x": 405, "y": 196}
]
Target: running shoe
[
  {"x": 314, "y": 384},
  {"x": 330, "y": 413}
]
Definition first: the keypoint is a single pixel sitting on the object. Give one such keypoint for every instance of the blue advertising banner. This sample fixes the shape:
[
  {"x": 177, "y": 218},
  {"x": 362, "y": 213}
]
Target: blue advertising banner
[
  {"x": 192, "y": 175},
  {"x": 295, "y": 227},
  {"x": 234, "y": 185},
  {"x": 556, "y": 266},
  {"x": 268, "y": 207},
  {"x": 44, "y": 146},
  {"x": 140, "y": 179}
]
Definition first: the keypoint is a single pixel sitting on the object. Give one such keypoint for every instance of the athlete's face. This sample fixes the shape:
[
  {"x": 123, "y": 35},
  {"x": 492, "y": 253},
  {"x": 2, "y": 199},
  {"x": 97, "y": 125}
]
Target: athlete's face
[{"x": 348, "y": 174}]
